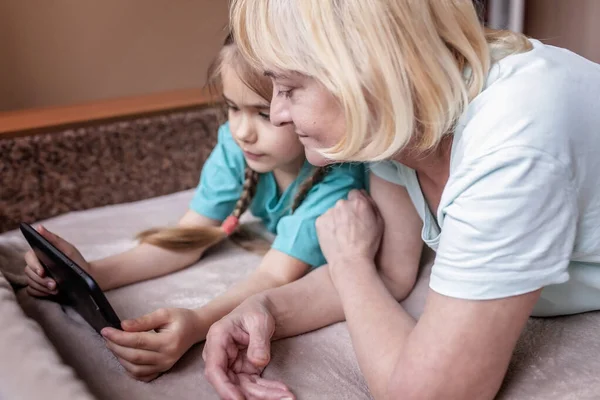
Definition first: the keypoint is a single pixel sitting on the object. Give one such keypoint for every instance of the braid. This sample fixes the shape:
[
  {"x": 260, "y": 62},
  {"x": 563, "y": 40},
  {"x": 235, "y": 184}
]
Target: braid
[
  {"x": 317, "y": 176},
  {"x": 249, "y": 189},
  {"x": 180, "y": 238}
]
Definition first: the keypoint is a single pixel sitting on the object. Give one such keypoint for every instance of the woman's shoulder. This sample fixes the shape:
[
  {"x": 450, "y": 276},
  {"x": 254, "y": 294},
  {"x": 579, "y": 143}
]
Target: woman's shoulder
[
  {"x": 537, "y": 81},
  {"x": 540, "y": 99},
  {"x": 542, "y": 65},
  {"x": 391, "y": 171}
]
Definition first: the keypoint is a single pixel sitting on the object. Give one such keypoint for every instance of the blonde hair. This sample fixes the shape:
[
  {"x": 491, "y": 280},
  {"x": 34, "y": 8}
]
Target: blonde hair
[
  {"x": 402, "y": 70},
  {"x": 188, "y": 238}
]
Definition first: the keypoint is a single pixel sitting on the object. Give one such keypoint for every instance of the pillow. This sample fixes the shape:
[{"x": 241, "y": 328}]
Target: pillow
[{"x": 30, "y": 368}]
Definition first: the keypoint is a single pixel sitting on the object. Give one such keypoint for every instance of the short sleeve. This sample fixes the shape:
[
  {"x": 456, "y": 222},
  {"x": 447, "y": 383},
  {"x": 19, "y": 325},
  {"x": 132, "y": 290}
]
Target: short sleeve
[
  {"x": 390, "y": 171},
  {"x": 509, "y": 226},
  {"x": 221, "y": 179},
  {"x": 296, "y": 233}
]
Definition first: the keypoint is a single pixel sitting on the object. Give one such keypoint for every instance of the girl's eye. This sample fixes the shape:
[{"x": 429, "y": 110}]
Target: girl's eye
[
  {"x": 265, "y": 116},
  {"x": 232, "y": 108}
]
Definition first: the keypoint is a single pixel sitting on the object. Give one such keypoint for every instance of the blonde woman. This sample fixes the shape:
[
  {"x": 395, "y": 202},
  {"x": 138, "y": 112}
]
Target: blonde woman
[{"x": 484, "y": 147}]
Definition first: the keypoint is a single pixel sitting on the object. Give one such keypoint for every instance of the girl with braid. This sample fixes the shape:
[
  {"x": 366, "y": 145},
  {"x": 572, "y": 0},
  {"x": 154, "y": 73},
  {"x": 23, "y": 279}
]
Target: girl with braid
[{"x": 255, "y": 166}]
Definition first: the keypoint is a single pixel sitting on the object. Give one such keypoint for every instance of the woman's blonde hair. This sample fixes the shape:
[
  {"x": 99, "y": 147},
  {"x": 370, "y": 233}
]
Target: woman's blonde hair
[
  {"x": 180, "y": 238},
  {"x": 402, "y": 70}
]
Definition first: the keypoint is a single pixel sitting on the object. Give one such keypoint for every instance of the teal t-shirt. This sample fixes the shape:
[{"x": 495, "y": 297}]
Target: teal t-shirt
[{"x": 221, "y": 185}]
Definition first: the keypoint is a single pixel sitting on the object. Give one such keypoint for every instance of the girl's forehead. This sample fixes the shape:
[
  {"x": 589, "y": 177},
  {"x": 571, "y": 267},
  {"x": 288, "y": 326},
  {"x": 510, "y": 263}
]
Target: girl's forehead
[{"x": 236, "y": 91}]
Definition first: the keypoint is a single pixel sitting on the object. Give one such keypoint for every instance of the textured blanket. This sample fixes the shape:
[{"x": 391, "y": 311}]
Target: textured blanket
[{"x": 556, "y": 358}]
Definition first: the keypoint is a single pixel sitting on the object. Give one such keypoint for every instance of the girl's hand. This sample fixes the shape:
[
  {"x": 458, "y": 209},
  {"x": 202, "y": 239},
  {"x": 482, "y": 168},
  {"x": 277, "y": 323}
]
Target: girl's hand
[
  {"x": 38, "y": 284},
  {"x": 350, "y": 232},
  {"x": 145, "y": 355}
]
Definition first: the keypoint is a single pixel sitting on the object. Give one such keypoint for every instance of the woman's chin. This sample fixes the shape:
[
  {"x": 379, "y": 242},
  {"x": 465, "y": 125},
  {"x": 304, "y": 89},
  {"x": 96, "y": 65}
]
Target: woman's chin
[{"x": 316, "y": 159}]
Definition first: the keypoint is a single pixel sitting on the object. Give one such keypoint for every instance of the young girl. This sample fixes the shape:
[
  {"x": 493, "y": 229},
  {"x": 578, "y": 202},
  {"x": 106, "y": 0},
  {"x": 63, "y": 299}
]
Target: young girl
[{"x": 255, "y": 165}]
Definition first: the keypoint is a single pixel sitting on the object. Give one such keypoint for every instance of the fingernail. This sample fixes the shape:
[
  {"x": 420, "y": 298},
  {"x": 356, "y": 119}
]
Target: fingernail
[{"x": 51, "y": 285}]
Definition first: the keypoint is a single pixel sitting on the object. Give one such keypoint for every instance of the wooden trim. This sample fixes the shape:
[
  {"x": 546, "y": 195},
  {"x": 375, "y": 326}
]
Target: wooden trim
[{"x": 26, "y": 122}]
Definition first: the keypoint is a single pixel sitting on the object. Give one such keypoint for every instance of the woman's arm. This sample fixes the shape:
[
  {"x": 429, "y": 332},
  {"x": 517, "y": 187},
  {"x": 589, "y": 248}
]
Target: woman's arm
[
  {"x": 146, "y": 261},
  {"x": 401, "y": 245},
  {"x": 397, "y": 259},
  {"x": 458, "y": 349}
]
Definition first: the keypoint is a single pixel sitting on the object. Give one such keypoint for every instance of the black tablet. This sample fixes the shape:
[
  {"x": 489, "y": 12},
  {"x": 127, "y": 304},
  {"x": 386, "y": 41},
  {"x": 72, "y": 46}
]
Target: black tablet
[{"x": 75, "y": 286}]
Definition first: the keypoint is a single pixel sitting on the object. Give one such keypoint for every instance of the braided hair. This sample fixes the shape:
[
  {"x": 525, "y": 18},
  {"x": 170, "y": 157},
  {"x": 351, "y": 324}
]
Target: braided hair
[
  {"x": 191, "y": 238},
  {"x": 181, "y": 238}
]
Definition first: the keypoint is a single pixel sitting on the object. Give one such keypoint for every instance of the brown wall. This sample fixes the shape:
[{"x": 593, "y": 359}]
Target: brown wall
[
  {"x": 566, "y": 23},
  {"x": 70, "y": 51}
]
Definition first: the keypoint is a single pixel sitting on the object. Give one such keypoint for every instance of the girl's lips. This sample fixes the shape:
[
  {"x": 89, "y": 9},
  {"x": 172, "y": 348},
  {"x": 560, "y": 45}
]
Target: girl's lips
[{"x": 252, "y": 156}]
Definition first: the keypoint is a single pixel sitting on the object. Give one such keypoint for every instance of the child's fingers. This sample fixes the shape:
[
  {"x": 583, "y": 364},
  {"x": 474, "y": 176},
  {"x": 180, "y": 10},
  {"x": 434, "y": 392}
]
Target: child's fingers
[
  {"x": 33, "y": 263},
  {"x": 44, "y": 284},
  {"x": 147, "y": 378},
  {"x": 37, "y": 293},
  {"x": 148, "y": 322},
  {"x": 57, "y": 241},
  {"x": 139, "y": 371},
  {"x": 137, "y": 340},
  {"x": 134, "y": 356},
  {"x": 40, "y": 288}
]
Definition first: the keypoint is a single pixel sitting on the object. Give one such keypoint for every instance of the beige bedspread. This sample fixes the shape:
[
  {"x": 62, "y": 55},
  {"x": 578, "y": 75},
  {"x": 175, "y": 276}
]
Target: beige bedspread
[{"x": 556, "y": 358}]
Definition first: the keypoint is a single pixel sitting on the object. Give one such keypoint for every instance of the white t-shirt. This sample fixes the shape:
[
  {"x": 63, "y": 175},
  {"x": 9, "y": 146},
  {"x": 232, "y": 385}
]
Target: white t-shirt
[{"x": 521, "y": 209}]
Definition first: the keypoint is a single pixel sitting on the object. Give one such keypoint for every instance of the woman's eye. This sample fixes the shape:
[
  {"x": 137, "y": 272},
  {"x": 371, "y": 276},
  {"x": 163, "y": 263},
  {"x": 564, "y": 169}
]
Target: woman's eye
[
  {"x": 232, "y": 108},
  {"x": 265, "y": 116},
  {"x": 285, "y": 93}
]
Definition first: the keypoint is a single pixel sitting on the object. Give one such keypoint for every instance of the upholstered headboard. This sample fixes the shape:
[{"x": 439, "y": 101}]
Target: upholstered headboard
[{"x": 75, "y": 158}]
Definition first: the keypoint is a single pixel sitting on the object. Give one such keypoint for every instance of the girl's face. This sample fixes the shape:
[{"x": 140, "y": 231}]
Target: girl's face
[
  {"x": 312, "y": 112},
  {"x": 266, "y": 147}
]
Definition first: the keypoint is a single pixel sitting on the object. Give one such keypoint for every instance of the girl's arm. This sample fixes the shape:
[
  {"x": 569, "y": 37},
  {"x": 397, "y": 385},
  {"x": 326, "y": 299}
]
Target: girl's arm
[
  {"x": 146, "y": 261},
  {"x": 276, "y": 269},
  {"x": 144, "y": 355},
  {"x": 143, "y": 262}
]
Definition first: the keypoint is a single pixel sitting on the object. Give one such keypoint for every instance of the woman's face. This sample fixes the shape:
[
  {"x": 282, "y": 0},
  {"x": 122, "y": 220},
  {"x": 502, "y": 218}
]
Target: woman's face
[{"x": 312, "y": 111}]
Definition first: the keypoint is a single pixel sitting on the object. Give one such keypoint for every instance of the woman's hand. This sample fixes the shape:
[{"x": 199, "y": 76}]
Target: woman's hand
[
  {"x": 237, "y": 349},
  {"x": 40, "y": 285},
  {"x": 145, "y": 355},
  {"x": 350, "y": 232}
]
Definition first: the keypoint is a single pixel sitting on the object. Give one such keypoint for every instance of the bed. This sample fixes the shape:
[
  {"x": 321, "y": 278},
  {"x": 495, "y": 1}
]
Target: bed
[{"x": 144, "y": 179}]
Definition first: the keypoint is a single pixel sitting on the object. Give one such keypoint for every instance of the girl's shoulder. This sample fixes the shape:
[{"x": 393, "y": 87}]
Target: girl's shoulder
[{"x": 341, "y": 178}]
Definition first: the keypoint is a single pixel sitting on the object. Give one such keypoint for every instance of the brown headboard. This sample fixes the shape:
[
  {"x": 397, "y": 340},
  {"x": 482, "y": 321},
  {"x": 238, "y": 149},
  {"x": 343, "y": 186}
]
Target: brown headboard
[{"x": 64, "y": 159}]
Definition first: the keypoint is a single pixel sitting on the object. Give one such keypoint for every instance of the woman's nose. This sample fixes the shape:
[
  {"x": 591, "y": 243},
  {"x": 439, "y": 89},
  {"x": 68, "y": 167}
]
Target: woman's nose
[{"x": 280, "y": 113}]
